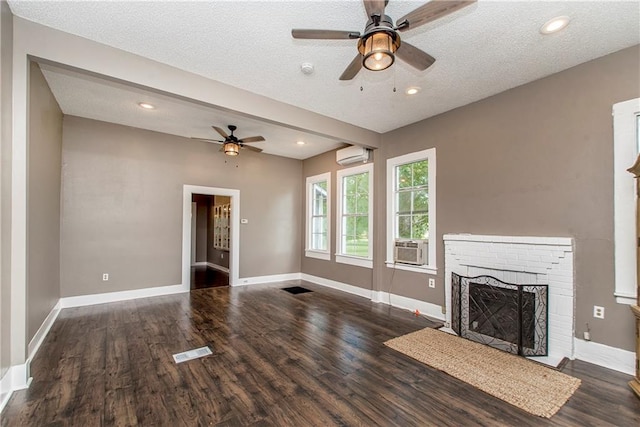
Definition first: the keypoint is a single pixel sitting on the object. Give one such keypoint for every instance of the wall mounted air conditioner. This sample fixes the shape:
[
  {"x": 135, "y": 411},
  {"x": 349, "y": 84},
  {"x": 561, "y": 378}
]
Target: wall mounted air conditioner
[
  {"x": 353, "y": 154},
  {"x": 410, "y": 251}
]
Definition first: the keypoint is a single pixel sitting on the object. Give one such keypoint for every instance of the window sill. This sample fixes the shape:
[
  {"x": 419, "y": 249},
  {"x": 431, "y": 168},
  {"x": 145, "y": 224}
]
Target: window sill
[
  {"x": 625, "y": 299},
  {"x": 415, "y": 268},
  {"x": 318, "y": 255},
  {"x": 360, "y": 262}
]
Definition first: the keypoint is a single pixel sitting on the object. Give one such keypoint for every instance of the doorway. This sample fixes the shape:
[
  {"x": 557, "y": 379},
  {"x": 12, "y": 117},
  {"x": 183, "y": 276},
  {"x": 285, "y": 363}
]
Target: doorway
[
  {"x": 210, "y": 240},
  {"x": 210, "y": 250}
]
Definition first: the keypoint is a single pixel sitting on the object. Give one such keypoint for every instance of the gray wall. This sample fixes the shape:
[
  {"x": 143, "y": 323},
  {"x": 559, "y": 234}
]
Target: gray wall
[
  {"x": 6, "y": 52},
  {"x": 43, "y": 222},
  {"x": 353, "y": 275},
  {"x": 536, "y": 160},
  {"x": 122, "y": 206}
]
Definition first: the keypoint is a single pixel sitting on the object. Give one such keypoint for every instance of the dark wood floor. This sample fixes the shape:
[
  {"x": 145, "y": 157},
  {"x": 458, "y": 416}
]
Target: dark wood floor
[
  {"x": 278, "y": 359},
  {"x": 207, "y": 277}
]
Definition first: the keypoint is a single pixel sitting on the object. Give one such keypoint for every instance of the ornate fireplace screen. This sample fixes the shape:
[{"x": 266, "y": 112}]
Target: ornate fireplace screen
[{"x": 506, "y": 316}]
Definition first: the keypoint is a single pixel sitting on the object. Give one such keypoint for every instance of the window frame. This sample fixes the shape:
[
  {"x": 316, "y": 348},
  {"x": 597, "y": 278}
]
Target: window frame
[
  {"x": 341, "y": 257},
  {"x": 310, "y": 182},
  {"x": 429, "y": 155},
  {"x": 625, "y": 151}
]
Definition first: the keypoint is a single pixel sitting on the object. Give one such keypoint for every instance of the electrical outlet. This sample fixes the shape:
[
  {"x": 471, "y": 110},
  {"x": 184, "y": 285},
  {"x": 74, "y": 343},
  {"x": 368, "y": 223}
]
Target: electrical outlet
[
  {"x": 432, "y": 283},
  {"x": 598, "y": 312},
  {"x": 105, "y": 277}
]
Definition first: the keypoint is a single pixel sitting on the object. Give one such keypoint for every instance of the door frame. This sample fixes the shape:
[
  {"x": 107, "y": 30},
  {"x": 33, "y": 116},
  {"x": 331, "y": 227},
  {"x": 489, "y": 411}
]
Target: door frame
[{"x": 234, "y": 250}]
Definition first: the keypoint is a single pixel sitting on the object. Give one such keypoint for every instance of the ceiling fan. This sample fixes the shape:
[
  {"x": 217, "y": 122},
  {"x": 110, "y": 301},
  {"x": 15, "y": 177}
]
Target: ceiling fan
[
  {"x": 231, "y": 144},
  {"x": 380, "y": 41}
]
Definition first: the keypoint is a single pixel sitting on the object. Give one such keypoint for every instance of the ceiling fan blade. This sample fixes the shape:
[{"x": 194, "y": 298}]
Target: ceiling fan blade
[
  {"x": 353, "y": 68},
  {"x": 248, "y": 147},
  {"x": 221, "y": 132},
  {"x": 208, "y": 140},
  {"x": 431, "y": 11},
  {"x": 324, "y": 34},
  {"x": 415, "y": 57},
  {"x": 251, "y": 139},
  {"x": 374, "y": 7}
]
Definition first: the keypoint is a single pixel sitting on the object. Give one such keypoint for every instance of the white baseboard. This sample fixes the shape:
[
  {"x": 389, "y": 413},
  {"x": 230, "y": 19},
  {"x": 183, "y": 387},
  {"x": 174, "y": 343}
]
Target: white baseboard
[
  {"x": 608, "y": 357},
  {"x": 428, "y": 309},
  {"x": 83, "y": 300},
  {"x": 218, "y": 267},
  {"x": 42, "y": 332},
  {"x": 243, "y": 281},
  {"x": 16, "y": 378},
  {"x": 356, "y": 290}
]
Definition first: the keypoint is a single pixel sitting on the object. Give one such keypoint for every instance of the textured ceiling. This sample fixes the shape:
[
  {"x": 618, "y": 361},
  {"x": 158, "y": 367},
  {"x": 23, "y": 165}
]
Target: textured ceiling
[
  {"x": 79, "y": 94},
  {"x": 481, "y": 50}
]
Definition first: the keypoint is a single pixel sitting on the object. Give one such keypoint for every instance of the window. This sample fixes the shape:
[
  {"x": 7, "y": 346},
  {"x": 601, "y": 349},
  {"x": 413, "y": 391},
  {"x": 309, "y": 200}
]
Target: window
[
  {"x": 355, "y": 207},
  {"x": 411, "y": 205},
  {"x": 626, "y": 142},
  {"x": 318, "y": 216}
]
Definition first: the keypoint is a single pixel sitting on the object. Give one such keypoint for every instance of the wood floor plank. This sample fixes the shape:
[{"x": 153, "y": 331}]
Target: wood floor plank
[{"x": 277, "y": 360}]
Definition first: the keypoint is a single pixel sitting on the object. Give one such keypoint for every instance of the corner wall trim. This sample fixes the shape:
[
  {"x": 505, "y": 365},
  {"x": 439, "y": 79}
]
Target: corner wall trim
[
  {"x": 42, "y": 332},
  {"x": 83, "y": 300},
  {"x": 243, "y": 281},
  {"x": 16, "y": 378},
  {"x": 608, "y": 357}
]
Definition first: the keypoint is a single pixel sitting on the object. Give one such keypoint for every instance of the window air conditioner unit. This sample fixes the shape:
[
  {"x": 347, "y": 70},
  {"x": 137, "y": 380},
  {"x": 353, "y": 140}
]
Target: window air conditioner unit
[
  {"x": 353, "y": 154},
  {"x": 410, "y": 251}
]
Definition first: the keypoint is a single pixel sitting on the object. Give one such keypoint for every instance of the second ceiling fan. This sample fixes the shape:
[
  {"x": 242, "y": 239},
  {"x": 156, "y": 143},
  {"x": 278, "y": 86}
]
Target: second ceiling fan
[{"x": 380, "y": 41}]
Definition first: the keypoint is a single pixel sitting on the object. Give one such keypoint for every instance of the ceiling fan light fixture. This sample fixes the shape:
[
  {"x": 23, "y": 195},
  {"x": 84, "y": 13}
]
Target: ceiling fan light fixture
[
  {"x": 231, "y": 149},
  {"x": 378, "y": 48}
]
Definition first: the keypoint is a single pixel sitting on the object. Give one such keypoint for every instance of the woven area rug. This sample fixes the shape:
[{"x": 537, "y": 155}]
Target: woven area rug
[{"x": 528, "y": 385}]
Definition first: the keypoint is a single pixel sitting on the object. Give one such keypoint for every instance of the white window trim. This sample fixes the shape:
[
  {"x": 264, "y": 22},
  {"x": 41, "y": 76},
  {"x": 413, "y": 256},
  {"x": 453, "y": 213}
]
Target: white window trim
[
  {"x": 314, "y": 253},
  {"x": 430, "y": 156},
  {"x": 341, "y": 257},
  {"x": 625, "y": 152}
]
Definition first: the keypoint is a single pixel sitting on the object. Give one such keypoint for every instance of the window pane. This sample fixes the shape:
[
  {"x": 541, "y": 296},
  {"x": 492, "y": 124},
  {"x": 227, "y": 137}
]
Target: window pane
[
  {"x": 319, "y": 224},
  {"x": 420, "y": 201},
  {"x": 404, "y": 226},
  {"x": 350, "y": 184},
  {"x": 420, "y": 227},
  {"x": 349, "y": 226},
  {"x": 362, "y": 227},
  {"x": 319, "y": 241},
  {"x": 404, "y": 202},
  {"x": 362, "y": 182},
  {"x": 420, "y": 170},
  {"x": 357, "y": 247},
  {"x": 403, "y": 176},
  {"x": 350, "y": 204},
  {"x": 362, "y": 204}
]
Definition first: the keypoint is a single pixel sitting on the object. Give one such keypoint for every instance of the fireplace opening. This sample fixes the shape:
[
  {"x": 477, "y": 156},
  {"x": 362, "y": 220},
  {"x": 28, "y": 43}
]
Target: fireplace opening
[{"x": 511, "y": 317}]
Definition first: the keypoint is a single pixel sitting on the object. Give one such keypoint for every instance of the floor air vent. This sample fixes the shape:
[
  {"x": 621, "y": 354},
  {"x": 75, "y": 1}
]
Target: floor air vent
[
  {"x": 297, "y": 290},
  {"x": 191, "y": 354}
]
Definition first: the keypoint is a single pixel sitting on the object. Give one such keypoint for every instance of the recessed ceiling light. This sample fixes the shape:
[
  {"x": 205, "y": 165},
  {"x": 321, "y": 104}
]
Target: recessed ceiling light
[
  {"x": 412, "y": 90},
  {"x": 146, "y": 106},
  {"x": 554, "y": 25},
  {"x": 300, "y": 142}
]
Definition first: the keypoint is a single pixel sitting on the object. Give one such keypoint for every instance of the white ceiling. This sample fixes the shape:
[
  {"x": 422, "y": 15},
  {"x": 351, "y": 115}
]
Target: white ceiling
[{"x": 481, "y": 50}]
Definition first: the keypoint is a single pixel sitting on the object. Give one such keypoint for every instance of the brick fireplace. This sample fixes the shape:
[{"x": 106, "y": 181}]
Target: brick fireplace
[{"x": 521, "y": 259}]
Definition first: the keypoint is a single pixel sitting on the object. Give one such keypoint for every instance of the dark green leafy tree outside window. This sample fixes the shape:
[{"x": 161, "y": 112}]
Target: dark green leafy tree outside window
[
  {"x": 412, "y": 200},
  {"x": 355, "y": 215}
]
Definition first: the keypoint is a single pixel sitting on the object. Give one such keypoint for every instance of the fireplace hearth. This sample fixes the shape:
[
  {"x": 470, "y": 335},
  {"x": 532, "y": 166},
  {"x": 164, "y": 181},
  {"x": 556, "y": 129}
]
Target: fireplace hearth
[{"x": 507, "y": 316}]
